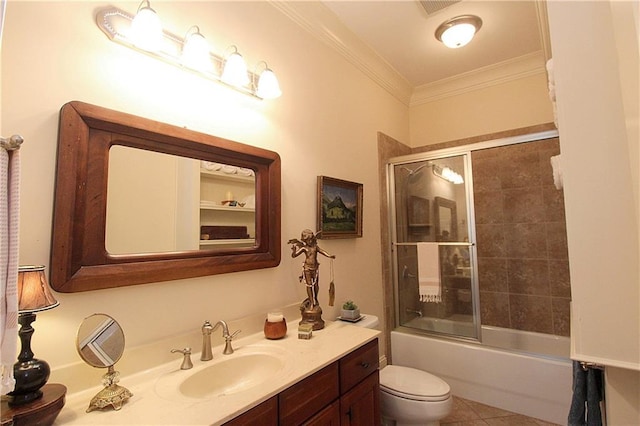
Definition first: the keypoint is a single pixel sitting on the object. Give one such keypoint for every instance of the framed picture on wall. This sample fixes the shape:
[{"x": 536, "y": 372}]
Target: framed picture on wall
[{"x": 339, "y": 208}]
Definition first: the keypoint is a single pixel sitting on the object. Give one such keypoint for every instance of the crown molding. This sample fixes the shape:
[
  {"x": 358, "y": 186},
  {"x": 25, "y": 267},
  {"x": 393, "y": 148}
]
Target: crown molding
[
  {"x": 319, "y": 21},
  {"x": 491, "y": 75}
]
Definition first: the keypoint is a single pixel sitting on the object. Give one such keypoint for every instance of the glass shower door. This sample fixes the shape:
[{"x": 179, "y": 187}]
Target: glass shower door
[{"x": 434, "y": 258}]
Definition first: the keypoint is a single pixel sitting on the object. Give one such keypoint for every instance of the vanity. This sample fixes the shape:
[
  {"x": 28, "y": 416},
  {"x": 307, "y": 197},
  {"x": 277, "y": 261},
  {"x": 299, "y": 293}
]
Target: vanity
[{"x": 331, "y": 378}]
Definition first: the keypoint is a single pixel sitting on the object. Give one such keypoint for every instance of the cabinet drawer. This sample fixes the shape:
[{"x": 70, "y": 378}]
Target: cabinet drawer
[
  {"x": 359, "y": 364},
  {"x": 265, "y": 414},
  {"x": 304, "y": 399}
]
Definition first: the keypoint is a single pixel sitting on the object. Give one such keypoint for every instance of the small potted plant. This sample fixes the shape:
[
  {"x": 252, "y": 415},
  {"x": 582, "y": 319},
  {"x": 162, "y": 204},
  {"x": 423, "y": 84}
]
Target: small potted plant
[{"x": 350, "y": 311}]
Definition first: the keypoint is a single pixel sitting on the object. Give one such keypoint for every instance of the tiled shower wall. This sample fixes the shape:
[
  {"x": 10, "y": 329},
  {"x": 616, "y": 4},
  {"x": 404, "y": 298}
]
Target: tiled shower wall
[{"x": 523, "y": 264}]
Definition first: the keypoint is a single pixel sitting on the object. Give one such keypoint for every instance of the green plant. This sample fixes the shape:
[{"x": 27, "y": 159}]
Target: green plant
[{"x": 349, "y": 305}]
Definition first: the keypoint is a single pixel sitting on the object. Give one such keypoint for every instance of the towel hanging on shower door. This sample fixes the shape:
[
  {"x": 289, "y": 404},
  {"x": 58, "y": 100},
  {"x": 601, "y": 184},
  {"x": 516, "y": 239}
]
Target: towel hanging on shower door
[{"x": 429, "y": 285}]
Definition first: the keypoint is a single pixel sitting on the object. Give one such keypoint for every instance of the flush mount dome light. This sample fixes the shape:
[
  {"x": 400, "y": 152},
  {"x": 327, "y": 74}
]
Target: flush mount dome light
[{"x": 458, "y": 31}]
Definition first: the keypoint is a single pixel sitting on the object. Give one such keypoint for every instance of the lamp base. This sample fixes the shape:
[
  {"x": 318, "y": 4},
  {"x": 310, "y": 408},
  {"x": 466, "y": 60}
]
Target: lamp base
[
  {"x": 30, "y": 373},
  {"x": 30, "y": 377}
]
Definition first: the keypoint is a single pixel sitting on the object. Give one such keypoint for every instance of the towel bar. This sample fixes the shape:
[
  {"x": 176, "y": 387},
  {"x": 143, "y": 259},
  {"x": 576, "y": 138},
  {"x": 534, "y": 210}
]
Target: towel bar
[{"x": 587, "y": 365}]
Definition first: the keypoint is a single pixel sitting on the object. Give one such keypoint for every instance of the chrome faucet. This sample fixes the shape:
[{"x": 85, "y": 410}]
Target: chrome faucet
[
  {"x": 206, "y": 354},
  {"x": 227, "y": 337}
]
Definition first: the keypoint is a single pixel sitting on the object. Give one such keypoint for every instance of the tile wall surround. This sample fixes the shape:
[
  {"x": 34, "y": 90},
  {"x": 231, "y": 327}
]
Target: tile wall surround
[
  {"x": 523, "y": 262},
  {"x": 522, "y": 246}
]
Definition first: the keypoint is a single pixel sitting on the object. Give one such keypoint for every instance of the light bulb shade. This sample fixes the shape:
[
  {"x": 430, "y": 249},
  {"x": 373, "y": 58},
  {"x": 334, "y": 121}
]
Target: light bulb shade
[
  {"x": 196, "y": 53},
  {"x": 458, "y": 31},
  {"x": 146, "y": 30},
  {"x": 235, "y": 71},
  {"x": 268, "y": 86},
  {"x": 34, "y": 294}
]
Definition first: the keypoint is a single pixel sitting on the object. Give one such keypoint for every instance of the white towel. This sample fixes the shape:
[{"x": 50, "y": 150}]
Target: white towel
[
  {"x": 556, "y": 165},
  {"x": 429, "y": 285},
  {"x": 9, "y": 226}
]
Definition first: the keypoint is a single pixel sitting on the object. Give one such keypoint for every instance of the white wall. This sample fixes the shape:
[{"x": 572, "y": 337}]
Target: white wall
[
  {"x": 325, "y": 123},
  {"x": 597, "y": 94}
]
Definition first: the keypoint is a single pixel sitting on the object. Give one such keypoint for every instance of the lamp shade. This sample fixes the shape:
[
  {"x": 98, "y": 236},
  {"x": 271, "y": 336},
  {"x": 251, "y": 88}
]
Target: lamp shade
[{"x": 34, "y": 294}]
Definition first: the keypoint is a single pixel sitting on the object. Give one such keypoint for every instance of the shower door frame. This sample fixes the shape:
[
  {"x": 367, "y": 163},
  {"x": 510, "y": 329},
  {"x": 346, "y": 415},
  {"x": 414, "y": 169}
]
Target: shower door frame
[{"x": 465, "y": 150}]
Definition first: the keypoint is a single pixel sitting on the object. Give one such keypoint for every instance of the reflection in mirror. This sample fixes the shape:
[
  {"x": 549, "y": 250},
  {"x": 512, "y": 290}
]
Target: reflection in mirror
[
  {"x": 166, "y": 203},
  {"x": 100, "y": 343},
  {"x": 446, "y": 218}
]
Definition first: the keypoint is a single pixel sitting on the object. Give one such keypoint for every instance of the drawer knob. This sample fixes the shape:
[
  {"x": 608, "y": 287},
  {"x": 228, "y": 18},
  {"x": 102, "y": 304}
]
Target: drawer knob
[{"x": 364, "y": 364}]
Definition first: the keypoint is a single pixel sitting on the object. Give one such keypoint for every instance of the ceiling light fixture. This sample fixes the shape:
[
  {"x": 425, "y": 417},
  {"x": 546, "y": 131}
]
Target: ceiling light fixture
[
  {"x": 458, "y": 31},
  {"x": 191, "y": 53}
]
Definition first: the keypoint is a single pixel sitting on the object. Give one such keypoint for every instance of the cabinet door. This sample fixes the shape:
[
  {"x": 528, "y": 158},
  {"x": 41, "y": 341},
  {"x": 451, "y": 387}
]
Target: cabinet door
[
  {"x": 330, "y": 416},
  {"x": 265, "y": 414},
  {"x": 306, "y": 398},
  {"x": 361, "y": 405}
]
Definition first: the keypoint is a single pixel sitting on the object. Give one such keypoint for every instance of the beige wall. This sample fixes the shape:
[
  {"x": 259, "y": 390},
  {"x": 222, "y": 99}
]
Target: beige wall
[
  {"x": 510, "y": 105},
  {"x": 328, "y": 117}
]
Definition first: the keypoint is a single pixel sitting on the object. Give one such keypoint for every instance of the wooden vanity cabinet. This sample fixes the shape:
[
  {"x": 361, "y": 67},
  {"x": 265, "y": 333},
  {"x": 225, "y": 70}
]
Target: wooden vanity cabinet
[{"x": 346, "y": 392}]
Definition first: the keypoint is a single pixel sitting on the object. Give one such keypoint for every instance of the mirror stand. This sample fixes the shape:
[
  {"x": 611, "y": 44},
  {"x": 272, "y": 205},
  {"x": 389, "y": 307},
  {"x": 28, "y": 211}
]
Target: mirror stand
[{"x": 112, "y": 394}]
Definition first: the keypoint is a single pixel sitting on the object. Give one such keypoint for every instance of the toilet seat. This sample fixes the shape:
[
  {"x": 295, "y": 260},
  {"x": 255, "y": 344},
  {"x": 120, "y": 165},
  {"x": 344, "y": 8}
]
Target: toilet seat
[{"x": 413, "y": 384}]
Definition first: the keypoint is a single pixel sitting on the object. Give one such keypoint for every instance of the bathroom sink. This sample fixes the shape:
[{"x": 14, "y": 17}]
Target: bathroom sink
[
  {"x": 225, "y": 376},
  {"x": 231, "y": 376}
]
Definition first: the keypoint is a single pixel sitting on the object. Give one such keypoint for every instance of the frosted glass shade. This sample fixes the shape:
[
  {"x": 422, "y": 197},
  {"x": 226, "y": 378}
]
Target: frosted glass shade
[
  {"x": 268, "y": 86},
  {"x": 235, "y": 71},
  {"x": 458, "y": 35},
  {"x": 195, "y": 53},
  {"x": 146, "y": 30}
]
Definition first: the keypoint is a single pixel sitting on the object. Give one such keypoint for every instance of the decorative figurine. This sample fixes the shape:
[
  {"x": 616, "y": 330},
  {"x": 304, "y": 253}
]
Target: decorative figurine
[{"x": 310, "y": 307}]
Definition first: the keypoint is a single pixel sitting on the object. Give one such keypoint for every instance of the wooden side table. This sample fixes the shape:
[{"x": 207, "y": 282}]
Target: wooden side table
[{"x": 41, "y": 412}]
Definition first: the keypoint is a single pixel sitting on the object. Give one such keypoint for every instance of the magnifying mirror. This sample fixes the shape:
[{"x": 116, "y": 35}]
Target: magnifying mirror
[{"x": 100, "y": 343}]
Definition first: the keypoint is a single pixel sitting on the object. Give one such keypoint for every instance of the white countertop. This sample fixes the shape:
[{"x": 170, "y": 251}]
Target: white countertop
[{"x": 156, "y": 401}]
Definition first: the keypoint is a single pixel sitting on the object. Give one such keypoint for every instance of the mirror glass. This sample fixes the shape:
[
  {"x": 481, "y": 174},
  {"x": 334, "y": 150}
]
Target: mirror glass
[
  {"x": 100, "y": 341},
  {"x": 159, "y": 203}
]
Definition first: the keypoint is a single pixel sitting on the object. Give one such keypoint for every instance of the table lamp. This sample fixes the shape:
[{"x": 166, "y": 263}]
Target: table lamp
[{"x": 34, "y": 295}]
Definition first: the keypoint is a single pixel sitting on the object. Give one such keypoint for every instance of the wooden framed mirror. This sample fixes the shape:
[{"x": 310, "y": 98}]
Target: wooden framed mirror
[{"x": 80, "y": 260}]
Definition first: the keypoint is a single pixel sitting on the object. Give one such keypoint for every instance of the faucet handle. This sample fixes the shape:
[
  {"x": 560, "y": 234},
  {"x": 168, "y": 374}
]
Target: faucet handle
[
  {"x": 186, "y": 360},
  {"x": 235, "y": 333}
]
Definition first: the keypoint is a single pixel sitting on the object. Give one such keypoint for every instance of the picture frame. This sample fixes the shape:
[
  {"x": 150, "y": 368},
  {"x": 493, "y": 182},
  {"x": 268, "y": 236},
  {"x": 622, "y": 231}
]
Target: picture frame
[{"x": 339, "y": 213}]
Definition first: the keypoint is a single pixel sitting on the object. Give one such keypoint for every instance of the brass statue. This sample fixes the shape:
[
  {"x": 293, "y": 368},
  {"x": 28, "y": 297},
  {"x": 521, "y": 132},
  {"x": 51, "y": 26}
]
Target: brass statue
[{"x": 310, "y": 307}]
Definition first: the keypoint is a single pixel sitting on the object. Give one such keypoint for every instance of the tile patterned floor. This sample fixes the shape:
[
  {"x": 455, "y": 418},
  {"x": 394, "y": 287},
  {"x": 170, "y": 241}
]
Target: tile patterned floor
[{"x": 470, "y": 413}]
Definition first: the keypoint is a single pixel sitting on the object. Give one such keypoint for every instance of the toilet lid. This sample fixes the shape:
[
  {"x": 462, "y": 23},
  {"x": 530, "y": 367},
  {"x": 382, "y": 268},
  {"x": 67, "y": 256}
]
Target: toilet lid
[{"x": 411, "y": 383}]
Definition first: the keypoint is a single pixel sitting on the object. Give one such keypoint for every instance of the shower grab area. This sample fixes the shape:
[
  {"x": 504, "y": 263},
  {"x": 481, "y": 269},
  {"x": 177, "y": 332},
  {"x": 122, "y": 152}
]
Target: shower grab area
[{"x": 478, "y": 245}]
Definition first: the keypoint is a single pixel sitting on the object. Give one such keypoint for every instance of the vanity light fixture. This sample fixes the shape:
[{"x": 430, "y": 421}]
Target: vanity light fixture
[
  {"x": 192, "y": 52},
  {"x": 447, "y": 174},
  {"x": 34, "y": 295},
  {"x": 267, "y": 86},
  {"x": 458, "y": 31}
]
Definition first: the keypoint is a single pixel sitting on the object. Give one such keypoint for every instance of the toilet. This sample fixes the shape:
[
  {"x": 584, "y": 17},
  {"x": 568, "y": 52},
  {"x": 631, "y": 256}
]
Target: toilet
[{"x": 409, "y": 396}]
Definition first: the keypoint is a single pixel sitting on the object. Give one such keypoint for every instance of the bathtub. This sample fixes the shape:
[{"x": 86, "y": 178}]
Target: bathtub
[{"x": 516, "y": 379}]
